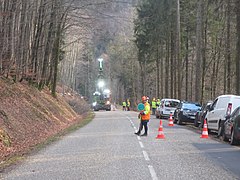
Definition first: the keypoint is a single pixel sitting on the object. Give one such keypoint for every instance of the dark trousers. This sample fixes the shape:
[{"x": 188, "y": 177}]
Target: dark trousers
[
  {"x": 143, "y": 123},
  {"x": 153, "y": 111}
]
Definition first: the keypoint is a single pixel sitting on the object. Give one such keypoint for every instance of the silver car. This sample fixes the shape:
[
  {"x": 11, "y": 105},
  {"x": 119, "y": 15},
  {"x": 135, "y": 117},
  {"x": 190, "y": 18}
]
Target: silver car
[{"x": 166, "y": 107}]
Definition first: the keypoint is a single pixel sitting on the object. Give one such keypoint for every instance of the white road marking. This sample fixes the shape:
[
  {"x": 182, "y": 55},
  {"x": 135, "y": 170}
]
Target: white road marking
[
  {"x": 141, "y": 144},
  {"x": 152, "y": 172},
  {"x": 129, "y": 119},
  {"x": 146, "y": 156}
]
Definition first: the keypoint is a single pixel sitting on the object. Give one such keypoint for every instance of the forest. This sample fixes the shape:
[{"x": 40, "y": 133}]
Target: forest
[{"x": 160, "y": 48}]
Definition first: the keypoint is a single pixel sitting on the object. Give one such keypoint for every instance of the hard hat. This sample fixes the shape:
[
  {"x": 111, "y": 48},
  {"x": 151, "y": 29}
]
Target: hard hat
[{"x": 144, "y": 98}]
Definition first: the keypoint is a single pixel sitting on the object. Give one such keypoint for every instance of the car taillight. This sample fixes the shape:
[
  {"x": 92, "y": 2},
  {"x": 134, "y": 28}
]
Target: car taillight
[{"x": 229, "y": 109}]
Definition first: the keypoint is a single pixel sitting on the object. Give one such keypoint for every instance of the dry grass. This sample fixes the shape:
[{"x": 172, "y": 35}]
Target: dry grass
[{"x": 30, "y": 118}]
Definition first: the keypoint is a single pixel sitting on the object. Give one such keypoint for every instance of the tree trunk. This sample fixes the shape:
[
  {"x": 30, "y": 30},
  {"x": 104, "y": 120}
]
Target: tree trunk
[
  {"x": 171, "y": 67},
  {"x": 178, "y": 56},
  {"x": 237, "y": 85},
  {"x": 228, "y": 49},
  {"x": 158, "y": 72},
  {"x": 187, "y": 65},
  {"x": 198, "y": 52},
  {"x": 47, "y": 47},
  {"x": 167, "y": 74}
]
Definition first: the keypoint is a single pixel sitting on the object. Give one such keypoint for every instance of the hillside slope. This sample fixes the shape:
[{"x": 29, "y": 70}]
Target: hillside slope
[{"x": 29, "y": 117}]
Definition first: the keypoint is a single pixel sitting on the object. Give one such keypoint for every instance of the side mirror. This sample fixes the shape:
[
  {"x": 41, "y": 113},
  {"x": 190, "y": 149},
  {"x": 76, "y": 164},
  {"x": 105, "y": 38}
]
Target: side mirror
[{"x": 210, "y": 108}]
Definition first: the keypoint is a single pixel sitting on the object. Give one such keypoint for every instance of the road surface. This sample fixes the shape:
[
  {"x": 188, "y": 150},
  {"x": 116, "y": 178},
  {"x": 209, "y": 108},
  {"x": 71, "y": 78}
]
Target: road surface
[{"x": 108, "y": 149}]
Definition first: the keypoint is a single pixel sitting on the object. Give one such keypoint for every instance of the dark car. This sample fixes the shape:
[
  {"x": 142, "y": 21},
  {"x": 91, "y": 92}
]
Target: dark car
[
  {"x": 231, "y": 127},
  {"x": 186, "y": 112},
  {"x": 200, "y": 115}
]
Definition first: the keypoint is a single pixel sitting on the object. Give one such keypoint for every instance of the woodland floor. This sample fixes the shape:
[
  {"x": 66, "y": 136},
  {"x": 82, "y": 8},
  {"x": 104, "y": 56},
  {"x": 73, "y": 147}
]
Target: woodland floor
[{"x": 29, "y": 117}]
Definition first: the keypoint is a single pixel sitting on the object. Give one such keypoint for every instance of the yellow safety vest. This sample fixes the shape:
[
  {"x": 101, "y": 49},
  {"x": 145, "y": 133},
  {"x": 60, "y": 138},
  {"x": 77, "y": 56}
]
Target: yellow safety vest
[{"x": 154, "y": 104}]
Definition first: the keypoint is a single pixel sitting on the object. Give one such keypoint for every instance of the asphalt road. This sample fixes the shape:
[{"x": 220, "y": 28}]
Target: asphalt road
[{"x": 108, "y": 149}]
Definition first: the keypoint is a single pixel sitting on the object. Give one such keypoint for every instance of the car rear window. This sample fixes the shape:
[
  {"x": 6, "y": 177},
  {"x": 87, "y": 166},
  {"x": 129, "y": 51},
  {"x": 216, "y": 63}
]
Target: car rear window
[
  {"x": 191, "y": 106},
  {"x": 171, "y": 103}
]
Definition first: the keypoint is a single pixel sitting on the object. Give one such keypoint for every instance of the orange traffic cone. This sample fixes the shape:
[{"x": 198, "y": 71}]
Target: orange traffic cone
[
  {"x": 205, "y": 130},
  {"x": 160, "y": 131},
  {"x": 170, "y": 123}
]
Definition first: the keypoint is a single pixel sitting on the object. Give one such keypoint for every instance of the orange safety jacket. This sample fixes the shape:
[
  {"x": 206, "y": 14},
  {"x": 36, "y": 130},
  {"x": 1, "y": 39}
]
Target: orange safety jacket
[{"x": 146, "y": 115}]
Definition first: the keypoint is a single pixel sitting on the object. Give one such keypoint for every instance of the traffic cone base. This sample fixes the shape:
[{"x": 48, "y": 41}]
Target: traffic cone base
[
  {"x": 160, "y": 132},
  {"x": 160, "y": 135},
  {"x": 170, "y": 120},
  {"x": 205, "y": 130}
]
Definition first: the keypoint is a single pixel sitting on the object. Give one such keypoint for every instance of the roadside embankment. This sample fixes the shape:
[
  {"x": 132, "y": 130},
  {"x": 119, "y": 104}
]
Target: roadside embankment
[{"x": 29, "y": 117}]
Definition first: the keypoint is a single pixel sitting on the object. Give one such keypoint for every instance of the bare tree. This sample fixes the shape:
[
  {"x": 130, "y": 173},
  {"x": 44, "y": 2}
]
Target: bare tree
[
  {"x": 198, "y": 52},
  {"x": 237, "y": 86}
]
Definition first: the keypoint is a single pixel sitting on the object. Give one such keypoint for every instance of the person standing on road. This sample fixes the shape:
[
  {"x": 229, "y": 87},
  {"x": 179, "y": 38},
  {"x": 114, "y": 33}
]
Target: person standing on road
[
  {"x": 144, "y": 116},
  {"x": 154, "y": 106},
  {"x": 158, "y": 102},
  {"x": 124, "y": 105},
  {"x": 128, "y": 104}
]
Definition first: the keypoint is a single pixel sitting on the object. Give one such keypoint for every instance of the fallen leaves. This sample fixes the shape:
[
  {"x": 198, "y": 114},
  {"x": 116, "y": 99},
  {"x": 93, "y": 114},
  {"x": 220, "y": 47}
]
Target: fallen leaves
[{"x": 28, "y": 117}]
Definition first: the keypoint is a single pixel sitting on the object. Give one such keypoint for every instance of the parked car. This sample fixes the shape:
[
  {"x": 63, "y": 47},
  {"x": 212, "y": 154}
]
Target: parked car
[
  {"x": 231, "y": 127},
  {"x": 166, "y": 107},
  {"x": 200, "y": 115},
  {"x": 223, "y": 105},
  {"x": 186, "y": 112}
]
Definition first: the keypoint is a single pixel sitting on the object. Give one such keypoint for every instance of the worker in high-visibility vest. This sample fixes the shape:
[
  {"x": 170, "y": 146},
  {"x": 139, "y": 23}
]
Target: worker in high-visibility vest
[
  {"x": 154, "y": 106},
  {"x": 144, "y": 116},
  {"x": 124, "y": 104},
  {"x": 128, "y": 104},
  {"x": 158, "y": 102}
]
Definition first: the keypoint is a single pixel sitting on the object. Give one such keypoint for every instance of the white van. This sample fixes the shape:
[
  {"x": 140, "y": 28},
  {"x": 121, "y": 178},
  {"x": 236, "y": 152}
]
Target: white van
[
  {"x": 166, "y": 107},
  {"x": 221, "y": 106}
]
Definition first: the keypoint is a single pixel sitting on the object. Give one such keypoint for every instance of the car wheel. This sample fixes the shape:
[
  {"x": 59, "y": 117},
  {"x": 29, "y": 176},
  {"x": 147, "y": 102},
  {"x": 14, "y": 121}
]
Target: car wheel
[
  {"x": 209, "y": 130},
  {"x": 201, "y": 124},
  {"x": 224, "y": 137},
  {"x": 233, "y": 140},
  {"x": 174, "y": 120},
  {"x": 220, "y": 128},
  {"x": 179, "y": 122},
  {"x": 196, "y": 122},
  {"x": 220, "y": 131}
]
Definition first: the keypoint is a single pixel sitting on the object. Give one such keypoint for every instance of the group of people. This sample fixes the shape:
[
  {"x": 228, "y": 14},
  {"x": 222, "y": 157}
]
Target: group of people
[
  {"x": 126, "y": 105},
  {"x": 154, "y": 104}
]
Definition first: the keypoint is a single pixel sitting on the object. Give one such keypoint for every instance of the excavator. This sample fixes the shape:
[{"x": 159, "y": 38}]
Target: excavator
[
  {"x": 102, "y": 101},
  {"x": 101, "y": 97}
]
